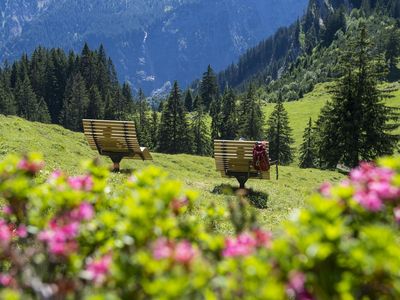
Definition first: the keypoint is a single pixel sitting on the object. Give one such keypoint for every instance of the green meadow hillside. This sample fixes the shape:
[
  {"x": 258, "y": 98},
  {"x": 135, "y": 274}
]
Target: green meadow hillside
[
  {"x": 310, "y": 106},
  {"x": 62, "y": 149}
]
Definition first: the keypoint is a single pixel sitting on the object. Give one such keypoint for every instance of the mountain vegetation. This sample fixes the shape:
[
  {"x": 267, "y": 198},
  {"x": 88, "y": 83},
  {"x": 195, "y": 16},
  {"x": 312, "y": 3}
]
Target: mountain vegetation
[
  {"x": 64, "y": 88},
  {"x": 151, "y": 42}
]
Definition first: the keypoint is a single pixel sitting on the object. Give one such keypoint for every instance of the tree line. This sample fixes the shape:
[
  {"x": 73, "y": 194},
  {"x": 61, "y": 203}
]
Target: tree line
[{"x": 355, "y": 125}]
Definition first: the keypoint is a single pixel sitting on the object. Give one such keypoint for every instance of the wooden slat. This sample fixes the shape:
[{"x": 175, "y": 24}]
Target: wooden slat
[{"x": 107, "y": 122}]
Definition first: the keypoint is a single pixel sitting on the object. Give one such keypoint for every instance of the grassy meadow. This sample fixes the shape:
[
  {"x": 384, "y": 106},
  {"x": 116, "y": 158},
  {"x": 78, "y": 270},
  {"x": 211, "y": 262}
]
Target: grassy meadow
[{"x": 273, "y": 200}]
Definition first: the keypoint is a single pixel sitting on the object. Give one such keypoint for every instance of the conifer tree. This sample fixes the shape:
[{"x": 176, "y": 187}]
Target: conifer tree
[
  {"x": 209, "y": 87},
  {"x": 279, "y": 135},
  {"x": 215, "y": 113},
  {"x": 96, "y": 106},
  {"x": 307, "y": 150},
  {"x": 189, "y": 101},
  {"x": 197, "y": 100},
  {"x": 42, "y": 114},
  {"x": 8, "y": 105},
  {"x": 174, "y": 133},
  {"x": 143, "y": 126},
  {"x": 251, "y": 119},
  {"x": 357, "y": 125},
  {"x": 75, "y": 103},
  {"x": 228, "y": 126},
  {"x": 200, "y": 132},
  {"x": 154, "y": 130},
  {"x": 28, "y": 105}
]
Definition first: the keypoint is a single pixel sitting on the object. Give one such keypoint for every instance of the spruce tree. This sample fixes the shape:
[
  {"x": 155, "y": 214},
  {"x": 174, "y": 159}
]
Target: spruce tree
[
  {"x": 251, "y": 118},
  {"x": 96, "y": 106},
  {"x": 279, "y": 135},
  {"x": 154, "y": 130},
  {"x": 8, "y": 105},
  {"x": 189, "y": 100},
  {"x": 307, "y": 149},
  {"x": 215, "y": 113},
  {"x": 228, "y": 126},
  {"x": 357, "y": 123},
  {"x": 143, "y": 126},
  {"x": 209, "y": 87},
  {"x": 75, "y": 103},
  {"x": 29, "y": 107},
  {"x": 200, "y": 132},
  {"x": 174, "y": 133}
]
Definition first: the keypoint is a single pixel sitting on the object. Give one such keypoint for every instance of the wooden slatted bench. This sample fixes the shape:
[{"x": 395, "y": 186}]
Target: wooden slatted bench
[
  {"x": 115, "y": 139},
  {"x": 235, "y": 159}
]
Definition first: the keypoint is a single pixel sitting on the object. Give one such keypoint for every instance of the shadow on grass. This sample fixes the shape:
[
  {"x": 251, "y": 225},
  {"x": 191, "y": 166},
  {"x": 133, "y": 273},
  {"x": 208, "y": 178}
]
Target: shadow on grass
[{"x": 256, "y": 198}]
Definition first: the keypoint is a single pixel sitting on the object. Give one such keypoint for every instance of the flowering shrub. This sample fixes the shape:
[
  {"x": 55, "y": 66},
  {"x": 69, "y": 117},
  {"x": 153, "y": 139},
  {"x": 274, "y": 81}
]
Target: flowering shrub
[{"x": 74, "y": 237}]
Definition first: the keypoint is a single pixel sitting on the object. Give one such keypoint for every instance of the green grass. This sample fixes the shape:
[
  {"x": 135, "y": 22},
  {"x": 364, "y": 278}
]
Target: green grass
[
  {"x": 310, "y": 106},
  {"x": 63, "y": 149}
]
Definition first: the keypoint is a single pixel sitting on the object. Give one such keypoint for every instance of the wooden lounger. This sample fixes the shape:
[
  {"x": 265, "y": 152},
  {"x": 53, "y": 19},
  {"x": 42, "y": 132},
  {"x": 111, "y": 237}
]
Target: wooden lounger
[
  {"x": 235, "y": 159},
  {"x": 115, "y": 139}
]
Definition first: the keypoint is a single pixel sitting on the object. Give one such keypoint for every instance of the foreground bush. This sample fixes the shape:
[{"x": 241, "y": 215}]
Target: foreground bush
[{"x": 75, "y": 238}]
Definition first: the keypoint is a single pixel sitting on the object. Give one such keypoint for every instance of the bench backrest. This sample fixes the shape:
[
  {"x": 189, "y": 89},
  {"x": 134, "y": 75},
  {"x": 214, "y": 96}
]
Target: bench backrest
[
  {"x": 234, "y": 156},
  {"x": 111, "y": 136}
]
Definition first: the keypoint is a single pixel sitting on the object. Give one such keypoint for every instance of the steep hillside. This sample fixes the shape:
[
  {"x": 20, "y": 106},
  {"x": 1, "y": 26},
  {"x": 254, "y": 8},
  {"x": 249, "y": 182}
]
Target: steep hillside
[
  {"x": 297, "y": 57},
  {"x": 310, "y": 106},
  {"x": 151, "y": 41},
  {"x": 64, "y": 149}
]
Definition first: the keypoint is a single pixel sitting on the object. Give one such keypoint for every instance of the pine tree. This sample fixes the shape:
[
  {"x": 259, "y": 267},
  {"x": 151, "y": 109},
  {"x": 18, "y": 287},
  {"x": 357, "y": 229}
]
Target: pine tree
[
  {"x": 28, "y": 106},
  {"x": 96, "y": 106},
  {"x": 143, "y": 126},
  {"x": 228, "y": 126},
  {"x": 357, "y": 123},
  {"x": 251, "y": 118},
  {"x": 197, "y": 100},
  {"x": 75, "y": 103},
  {"x": 307, "y": 150},
  {"x": 189, "y": 100},
  {"x": 215, "y": 113},
  {"x": 174, "y": 134},
  {"x": 154, "y": 130},
  {"x": 8, "y": 105},
  {"x": 209, "y": 87},
  {"x": 279, "y": 135},
  {"x": 200, "y": 132}
]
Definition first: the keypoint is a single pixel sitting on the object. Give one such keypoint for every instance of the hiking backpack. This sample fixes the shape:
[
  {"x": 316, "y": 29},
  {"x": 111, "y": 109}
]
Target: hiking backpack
[{"x": 260, "y": 157}]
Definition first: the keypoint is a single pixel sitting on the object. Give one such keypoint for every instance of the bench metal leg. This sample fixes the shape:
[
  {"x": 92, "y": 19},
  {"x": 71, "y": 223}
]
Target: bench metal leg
[
  {"x": 242, "y": 180},
  {"x": 116, "y": 159}
]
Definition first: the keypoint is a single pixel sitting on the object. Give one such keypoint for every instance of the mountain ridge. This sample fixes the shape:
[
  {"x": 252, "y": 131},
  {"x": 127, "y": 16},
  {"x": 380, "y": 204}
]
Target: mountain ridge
[{"x": 151, "y": 42}]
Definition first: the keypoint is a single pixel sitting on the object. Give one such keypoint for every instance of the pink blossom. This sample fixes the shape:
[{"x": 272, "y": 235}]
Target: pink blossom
[
  {"x": 5, "y": 233},
  {"x": 7, "y": 210},
  {"x": 243, "y": 245},
  {"x": 184, "y": 252},
  {"x": 21, "y": 231},
  {"x": 325, "y": 189},
  {"x": 60, "y": 239},
  {"x": 263, "y": 238},
  {"x": 62, "y": 248},
  {"x": 30, "y": 166},
  {"x": 162, "y": 249},
  {"x": 178, "y": 204},
  {"x": 296, "y": 287},
  {"x": 5, "y": 279},
  {"x": 85, "y": 212},
  {"x": 84, "y": 183},
  {"x": 98, "y": 269},
  {"x": 384, "y": 190},
  {"x": 369, "y": 201},
  {"x": 397, "y": 214}
]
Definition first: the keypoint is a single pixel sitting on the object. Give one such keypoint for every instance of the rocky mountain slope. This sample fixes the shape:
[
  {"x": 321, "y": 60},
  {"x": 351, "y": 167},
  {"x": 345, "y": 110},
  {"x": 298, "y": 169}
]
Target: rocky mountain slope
[{"x": 152, "y": 42}]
